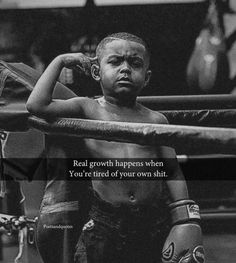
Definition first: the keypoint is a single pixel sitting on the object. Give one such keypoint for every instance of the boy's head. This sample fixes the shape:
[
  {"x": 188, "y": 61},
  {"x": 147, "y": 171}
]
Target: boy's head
[
  {"x": 121, "y": 35},
  {"x": 123, "y": 65}
]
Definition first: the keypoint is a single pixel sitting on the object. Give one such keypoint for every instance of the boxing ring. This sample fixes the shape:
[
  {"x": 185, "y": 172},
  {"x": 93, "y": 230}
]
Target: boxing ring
[
  {"x": 198, "y": 125},
  {"x": 208, "y": 120}
]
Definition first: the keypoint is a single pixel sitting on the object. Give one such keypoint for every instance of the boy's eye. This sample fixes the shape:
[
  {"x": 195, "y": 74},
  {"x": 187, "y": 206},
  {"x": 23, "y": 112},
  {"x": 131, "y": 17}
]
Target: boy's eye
[
  {"x": 114, "y": 61},
  {"x": 137, "y": 63}
]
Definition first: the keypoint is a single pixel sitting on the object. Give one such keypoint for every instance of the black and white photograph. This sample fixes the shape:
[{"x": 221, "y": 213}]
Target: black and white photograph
[{"x": 117, "y": 131}]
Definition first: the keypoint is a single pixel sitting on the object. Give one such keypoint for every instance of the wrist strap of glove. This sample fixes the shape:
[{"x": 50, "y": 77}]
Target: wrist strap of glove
[{"x": 184, "y": 211}]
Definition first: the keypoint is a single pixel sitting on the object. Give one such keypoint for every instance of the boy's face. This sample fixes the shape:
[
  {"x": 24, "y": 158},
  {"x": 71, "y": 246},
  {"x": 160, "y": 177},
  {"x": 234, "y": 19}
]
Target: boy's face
[{"x": 123, "y": 68}]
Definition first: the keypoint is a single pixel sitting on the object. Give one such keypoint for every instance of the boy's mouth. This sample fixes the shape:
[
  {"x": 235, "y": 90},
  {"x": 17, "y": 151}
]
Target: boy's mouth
[{"x": 125, "y": 80}]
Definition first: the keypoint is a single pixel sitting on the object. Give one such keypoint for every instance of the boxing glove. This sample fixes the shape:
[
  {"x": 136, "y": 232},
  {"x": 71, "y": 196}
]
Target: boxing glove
[{"x": 184, "y": 242}]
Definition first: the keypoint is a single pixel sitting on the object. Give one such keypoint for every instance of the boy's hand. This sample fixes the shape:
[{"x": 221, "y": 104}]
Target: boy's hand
[{"x": 78, "y": 61}]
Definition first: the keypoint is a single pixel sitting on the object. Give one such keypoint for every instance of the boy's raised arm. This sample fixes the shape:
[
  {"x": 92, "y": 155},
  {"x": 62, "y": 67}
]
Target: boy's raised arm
[{"x": 41, "y": 103}]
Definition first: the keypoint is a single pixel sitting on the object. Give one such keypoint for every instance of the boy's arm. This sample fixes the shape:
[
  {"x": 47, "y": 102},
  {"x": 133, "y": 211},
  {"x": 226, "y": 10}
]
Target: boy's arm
[
  {"x": 176, "y": 182},
  {"x": 40, "y": 101},
  {"x": 184, "y": 242}
]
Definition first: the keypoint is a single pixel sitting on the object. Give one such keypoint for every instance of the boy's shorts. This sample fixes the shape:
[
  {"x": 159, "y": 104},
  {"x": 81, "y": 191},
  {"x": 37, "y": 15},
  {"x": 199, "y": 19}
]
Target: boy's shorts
[{"x": 122, "y": 234}]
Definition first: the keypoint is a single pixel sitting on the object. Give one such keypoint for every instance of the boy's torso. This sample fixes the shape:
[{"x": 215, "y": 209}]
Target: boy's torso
[{"x": 131, "y": 192}]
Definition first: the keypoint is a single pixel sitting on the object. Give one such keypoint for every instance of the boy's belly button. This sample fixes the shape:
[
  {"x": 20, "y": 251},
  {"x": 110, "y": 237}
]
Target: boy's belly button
[{"x": 132, "y": 198}]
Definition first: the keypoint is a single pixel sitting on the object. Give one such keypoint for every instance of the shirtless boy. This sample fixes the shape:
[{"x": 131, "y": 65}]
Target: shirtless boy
[{"x": 126, "y": 220}]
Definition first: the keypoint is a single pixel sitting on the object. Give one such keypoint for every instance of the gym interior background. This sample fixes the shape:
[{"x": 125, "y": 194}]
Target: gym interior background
[{"x": 36, "y": 34}]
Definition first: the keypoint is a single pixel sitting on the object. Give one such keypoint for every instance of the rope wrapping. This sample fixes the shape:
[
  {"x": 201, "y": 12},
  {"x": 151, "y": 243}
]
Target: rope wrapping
[
  {"x": 185, "y": 139},
  {"x": 14, "y": 117}
]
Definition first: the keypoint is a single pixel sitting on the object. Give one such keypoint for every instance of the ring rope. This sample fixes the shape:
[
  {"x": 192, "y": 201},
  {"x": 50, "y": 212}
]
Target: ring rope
[
  {"x": 14, "y": 117},
  {"x": 208, "y": 118},
  {"x": 189, "y": 102},
  {"x": 185, "y": 139}
]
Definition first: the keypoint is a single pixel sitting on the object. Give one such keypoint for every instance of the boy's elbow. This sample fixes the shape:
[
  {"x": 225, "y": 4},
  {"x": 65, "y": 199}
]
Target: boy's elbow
[
  {"x": 35, "y": 109},
  {"x": 31, "y": 107}
]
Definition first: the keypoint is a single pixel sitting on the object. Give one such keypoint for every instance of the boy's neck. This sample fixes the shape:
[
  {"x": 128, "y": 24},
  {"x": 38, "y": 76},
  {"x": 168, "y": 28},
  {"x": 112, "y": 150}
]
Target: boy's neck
[{"x": 129, "y": 103}]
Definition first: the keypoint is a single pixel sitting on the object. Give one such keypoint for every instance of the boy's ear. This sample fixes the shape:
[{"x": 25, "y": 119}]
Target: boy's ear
[
  {"x": 147, "y": 77},
  {"x": 95, "y": 72}
]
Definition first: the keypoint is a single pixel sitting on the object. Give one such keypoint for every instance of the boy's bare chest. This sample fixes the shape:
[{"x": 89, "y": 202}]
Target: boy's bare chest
[
  {"x": 113, "y": 113},
  {"x": 106, "y": 149}
]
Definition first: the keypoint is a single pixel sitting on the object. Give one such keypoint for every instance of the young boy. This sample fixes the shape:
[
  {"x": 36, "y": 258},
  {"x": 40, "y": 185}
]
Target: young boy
[{"x": 127, "y": 216}]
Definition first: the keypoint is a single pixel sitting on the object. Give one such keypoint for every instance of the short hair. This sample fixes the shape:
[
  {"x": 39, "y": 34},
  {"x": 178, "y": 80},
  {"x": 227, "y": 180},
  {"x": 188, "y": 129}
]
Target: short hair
[{"x": 124, "y": 36}]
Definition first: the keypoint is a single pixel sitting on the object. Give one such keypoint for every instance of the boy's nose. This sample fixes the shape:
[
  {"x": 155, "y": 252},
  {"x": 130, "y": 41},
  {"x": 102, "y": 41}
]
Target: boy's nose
[{"x": 125, "y": 68}]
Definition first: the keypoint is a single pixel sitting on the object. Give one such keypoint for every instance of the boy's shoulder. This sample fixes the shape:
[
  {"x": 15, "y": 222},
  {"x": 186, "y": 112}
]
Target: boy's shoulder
[
  {"x": 88, "y": 106},
  {"x": 155, "y": 116},
  {"x": 80, "y": 104},
  {"x": 83, "y": 101}
]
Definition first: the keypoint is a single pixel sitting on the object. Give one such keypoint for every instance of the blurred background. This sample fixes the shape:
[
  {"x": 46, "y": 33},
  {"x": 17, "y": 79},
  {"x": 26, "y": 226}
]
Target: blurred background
[
  {"x": 35, "y": 32},
  {"x": 193, "y": 51}
]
